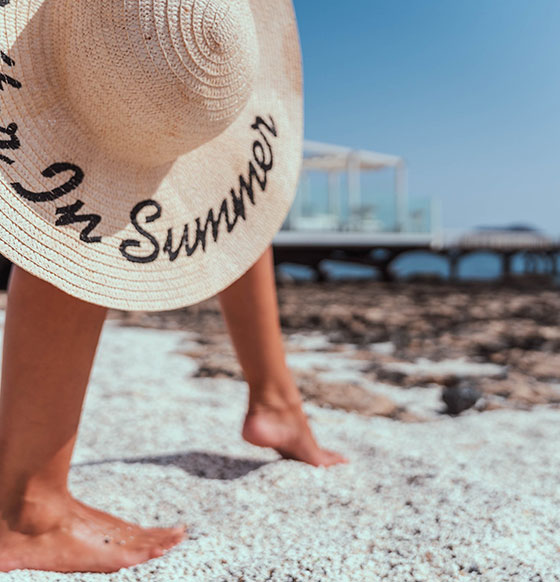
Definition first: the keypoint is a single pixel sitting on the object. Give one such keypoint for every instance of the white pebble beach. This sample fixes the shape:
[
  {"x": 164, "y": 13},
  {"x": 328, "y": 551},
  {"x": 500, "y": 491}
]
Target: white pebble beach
[{"x": 475, "y": 497}]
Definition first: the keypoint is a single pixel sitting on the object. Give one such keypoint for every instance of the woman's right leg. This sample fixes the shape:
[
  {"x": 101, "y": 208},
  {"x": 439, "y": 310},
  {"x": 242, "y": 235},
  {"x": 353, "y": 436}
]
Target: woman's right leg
[{"x": 50, "y": 340}]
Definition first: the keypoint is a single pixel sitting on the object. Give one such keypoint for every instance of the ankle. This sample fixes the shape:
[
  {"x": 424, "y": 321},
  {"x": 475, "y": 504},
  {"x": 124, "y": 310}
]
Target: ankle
[
  {"x": 274, "y": 401},
  {"x": 33, "y": 511}
]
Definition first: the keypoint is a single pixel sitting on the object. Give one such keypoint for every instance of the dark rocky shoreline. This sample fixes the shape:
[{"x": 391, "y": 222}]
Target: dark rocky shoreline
[{"x": 515, "y": 328}]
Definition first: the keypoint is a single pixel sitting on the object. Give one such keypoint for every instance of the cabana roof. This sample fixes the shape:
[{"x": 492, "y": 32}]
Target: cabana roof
[
  {"x": 327, "y": 157},
  {"x": 334, "y": 160}
]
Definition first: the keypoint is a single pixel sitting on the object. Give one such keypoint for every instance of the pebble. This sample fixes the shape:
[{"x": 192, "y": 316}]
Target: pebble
[{"x": 460, "y": 398}]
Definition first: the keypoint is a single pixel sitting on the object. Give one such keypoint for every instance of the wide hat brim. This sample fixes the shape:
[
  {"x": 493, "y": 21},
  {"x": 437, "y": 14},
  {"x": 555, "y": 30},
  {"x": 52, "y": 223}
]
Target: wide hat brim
[{"x": 137, "y": 236}]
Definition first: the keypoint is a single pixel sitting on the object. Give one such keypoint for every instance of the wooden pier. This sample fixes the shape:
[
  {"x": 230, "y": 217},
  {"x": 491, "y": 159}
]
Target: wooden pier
[{"x": 380, "y": 250}]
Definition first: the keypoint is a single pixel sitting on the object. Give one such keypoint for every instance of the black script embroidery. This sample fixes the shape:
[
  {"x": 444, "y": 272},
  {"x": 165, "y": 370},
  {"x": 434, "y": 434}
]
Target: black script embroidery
[
  {"x": 200, "y": 237},
  {"x": 8, "y": 60},
  {"x": 259, "y": 122},
  {"x": 50, "y": 172},
  {"x": 246, "y": 187},
  {"x": 125, "y": 244},
  {"x": 4, "y": 3},
  {"x": 11, "y": 144},
  {"x": 263, "y": 161},
  {"x": 69, "y": 216},
  {"x": 6, "y": 79},
  {"x": 9, "y": 81}
]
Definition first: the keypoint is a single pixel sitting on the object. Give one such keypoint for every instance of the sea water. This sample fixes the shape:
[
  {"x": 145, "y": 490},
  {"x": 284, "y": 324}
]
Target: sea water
[{"x": 481, "y": 266}]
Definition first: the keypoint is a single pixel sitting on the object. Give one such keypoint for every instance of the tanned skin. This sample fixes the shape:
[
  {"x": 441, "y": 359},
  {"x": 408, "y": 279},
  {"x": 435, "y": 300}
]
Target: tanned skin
[{"x": 50, "y": 340}]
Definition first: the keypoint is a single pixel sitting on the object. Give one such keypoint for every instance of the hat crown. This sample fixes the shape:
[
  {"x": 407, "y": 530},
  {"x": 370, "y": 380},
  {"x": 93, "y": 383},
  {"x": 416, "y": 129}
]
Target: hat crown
[{"x": 153, "y": 79}]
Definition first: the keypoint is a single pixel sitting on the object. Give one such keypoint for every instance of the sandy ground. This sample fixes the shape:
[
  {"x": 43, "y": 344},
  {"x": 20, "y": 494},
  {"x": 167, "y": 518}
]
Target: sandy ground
[{"x": 474, "y": 497}]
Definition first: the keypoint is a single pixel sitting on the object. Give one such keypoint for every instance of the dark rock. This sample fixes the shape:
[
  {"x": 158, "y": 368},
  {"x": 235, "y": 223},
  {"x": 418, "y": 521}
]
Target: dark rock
[
  {"x": 516, "y": 326},
  {"x": 460, "y": 397},
  {"x": 474, "y": 569}
]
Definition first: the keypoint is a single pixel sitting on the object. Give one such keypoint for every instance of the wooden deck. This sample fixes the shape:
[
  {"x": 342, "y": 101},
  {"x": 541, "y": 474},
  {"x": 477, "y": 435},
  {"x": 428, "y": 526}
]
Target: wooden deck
[{"x": 380, "y": 249}]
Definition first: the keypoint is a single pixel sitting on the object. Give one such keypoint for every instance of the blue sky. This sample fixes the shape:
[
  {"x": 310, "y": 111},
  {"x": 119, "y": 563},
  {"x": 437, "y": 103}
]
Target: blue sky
[{"x": 468, "y": 91}]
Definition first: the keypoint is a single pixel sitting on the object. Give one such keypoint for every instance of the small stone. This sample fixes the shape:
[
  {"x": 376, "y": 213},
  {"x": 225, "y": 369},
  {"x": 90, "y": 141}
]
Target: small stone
[
  {"x": 474, "y": 569},
  {"x": 460, "y": 398}
]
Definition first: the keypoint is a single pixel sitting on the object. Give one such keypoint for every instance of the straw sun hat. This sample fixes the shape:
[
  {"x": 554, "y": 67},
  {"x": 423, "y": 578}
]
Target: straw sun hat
[{"x": 149, "y": 149}]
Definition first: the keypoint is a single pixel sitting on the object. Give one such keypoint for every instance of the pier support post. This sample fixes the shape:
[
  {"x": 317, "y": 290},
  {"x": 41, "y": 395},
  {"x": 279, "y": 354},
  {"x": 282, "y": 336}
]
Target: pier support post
[
  {"x": 386, "y": 272},
  {"x": 506, "y": 265},
  {"x": 454, "y": 266},
  {"x": 384, "y": 267},
  {"x": 553, "y": 258}
]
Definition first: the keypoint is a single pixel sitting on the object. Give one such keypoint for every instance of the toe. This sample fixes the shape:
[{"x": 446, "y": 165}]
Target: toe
[
  {"x": 332, "y": 458},
  {"x": 157, "y": 553},
  {"x": 338, "y": 458},
  {"x": 167, "y": 538},
  {"x": 176, "y": 536}
]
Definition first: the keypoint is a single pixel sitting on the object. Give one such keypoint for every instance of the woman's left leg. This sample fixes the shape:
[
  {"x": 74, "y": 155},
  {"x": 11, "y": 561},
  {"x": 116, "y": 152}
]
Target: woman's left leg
[{"x": 275, "y": 416}]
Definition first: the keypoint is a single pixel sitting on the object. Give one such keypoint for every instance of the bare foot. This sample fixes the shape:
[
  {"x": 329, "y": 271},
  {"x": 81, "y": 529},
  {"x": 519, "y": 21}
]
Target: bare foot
[
  {"x": 68, "y": 536},
  {"x": 287, "y": 431}
]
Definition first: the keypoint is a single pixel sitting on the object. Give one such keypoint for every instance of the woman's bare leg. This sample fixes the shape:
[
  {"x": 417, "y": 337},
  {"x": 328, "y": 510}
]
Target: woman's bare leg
[
  {"x": 275, "y": 417},
  {"x": 49, "y": 344}
]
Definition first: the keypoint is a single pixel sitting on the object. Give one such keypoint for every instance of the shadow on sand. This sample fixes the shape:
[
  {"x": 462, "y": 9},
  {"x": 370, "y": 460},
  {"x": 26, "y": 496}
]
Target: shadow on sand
[{"x": 199, "y": 464}]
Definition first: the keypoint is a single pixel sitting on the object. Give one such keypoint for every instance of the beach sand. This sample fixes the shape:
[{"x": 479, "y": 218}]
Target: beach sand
[{"x": 427, "y": 496}]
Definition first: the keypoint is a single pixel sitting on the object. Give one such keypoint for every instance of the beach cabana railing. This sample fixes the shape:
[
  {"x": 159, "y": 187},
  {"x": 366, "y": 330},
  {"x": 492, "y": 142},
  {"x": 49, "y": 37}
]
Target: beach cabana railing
[{"x": 335, "y": 161}]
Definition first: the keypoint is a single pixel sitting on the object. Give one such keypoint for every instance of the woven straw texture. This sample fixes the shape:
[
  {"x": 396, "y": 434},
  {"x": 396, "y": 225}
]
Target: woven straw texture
[{"x": 149, "y": 149}]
